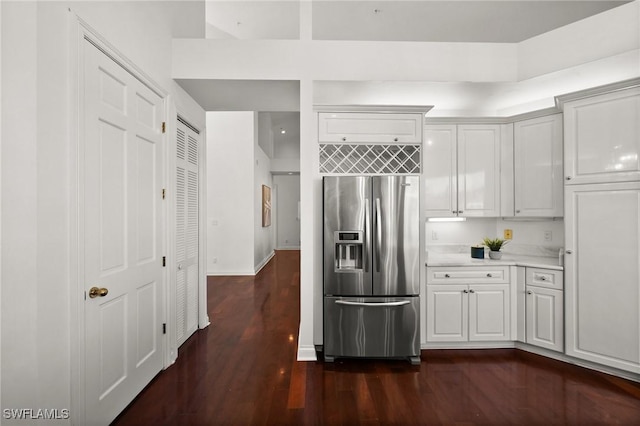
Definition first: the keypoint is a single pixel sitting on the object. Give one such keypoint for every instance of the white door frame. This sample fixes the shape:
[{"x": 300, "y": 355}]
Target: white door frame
[{"x": 79, "y": 32}]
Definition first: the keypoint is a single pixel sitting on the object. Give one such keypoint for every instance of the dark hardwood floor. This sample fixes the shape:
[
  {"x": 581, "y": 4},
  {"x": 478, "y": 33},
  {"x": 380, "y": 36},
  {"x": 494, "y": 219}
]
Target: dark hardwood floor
[{"x": 242, "y": 369}]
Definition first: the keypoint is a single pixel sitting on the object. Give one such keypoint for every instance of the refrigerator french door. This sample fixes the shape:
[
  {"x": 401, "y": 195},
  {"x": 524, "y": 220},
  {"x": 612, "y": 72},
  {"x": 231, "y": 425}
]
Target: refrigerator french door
[{"x": 371, "y": 267}]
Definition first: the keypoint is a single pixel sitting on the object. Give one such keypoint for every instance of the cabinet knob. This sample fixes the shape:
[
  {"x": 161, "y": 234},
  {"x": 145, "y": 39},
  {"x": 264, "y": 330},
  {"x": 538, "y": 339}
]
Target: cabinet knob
[
  {"x": 471, "y": 291},
  {"x": 344, "y": 139},
  {"x": 453, "y": 211},
  {"x": 489, "y": 275},
  {"x": 460, "y": 211},
  {"x": 568, "y": 178},
  {"x": 542, "y": 278},
  {"x": 395, "y": 139},
  {"x": 569, "y": 251},
  {"x": 465, "y": 291},
  {"x": 447, "y": 276},
  {"x": 529, "y": 292},
  {"x": 517, "y": 211}
]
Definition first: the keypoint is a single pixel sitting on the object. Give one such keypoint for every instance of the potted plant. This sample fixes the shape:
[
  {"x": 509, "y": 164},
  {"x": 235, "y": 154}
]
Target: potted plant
[{"x": 494, "y": 246}]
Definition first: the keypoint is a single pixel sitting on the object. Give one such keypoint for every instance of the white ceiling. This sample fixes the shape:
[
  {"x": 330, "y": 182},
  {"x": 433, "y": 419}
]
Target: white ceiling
[
  {"x": 501, "y": 21},
  {"x": 413, "y": 20}
]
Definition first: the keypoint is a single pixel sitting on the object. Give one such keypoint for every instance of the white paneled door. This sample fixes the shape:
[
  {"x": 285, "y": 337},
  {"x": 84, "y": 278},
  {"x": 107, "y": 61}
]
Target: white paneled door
[
  {"x": 123, "y": 275},
  {"x": 187, "y": 249}
]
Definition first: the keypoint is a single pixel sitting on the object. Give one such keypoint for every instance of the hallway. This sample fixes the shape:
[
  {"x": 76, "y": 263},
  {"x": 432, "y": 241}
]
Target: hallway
[{"x": 242, "y": 370}]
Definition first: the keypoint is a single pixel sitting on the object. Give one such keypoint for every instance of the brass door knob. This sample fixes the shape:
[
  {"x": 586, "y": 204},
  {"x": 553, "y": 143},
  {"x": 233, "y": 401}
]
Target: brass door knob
[{"x": 95, "y": 292}]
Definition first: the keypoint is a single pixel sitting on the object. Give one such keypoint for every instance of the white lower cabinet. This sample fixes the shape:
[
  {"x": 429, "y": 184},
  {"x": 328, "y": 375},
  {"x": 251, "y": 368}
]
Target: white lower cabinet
[
  {"x": 544, "y": 308},
  {"x": 472, "y": 312},
  {"x": 544, "y": 313},
  {"x": 602, "y": 274}
]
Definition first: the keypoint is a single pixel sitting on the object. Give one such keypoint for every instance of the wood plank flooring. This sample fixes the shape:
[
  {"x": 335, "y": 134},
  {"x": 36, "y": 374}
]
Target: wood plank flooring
[{"x": 242, "y": 370}]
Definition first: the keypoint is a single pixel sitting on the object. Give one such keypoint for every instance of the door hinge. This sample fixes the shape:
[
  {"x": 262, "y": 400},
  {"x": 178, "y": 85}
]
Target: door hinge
[
  {"x": 164, "y": 193},
  {"x": 164, "y": 127},
  {"x": 164, "y": 328},
  {"x": 164, "y": 261}
]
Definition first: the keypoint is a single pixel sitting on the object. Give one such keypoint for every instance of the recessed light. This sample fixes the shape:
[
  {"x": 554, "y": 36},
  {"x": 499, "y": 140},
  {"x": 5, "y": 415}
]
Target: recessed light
[{"x": 283, "y": 131}]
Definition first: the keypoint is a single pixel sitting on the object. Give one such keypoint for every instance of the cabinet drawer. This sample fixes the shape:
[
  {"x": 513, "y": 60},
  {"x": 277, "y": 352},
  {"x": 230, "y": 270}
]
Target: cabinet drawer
[
  {"x": 544, "y": 278},
  {"x": 466, "y": 275}
]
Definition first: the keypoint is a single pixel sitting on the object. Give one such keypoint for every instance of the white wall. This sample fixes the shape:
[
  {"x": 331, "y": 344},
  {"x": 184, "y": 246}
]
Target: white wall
[
  {"x": 230, "y": 193},
  {"x": 287, "y": 220},
  {"x": 474, "y": 230},
  {"x": 265, "y": 133},
  {"x": 606, "y": 34},
  {"x": 38, "y": 271},
  {"x": 264, "y": 236}
]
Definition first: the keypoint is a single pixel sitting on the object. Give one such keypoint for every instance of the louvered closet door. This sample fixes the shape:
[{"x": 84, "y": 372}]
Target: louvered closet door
[{"x": 187, "y": 252}]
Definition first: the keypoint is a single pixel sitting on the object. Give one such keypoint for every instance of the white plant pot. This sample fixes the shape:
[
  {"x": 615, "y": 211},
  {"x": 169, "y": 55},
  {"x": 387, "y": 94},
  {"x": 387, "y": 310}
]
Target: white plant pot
[{"x": 496, "y": 255}]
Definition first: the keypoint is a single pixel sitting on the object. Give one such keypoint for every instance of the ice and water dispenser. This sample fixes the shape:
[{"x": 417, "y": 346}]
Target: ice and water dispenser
[{"x": 348, "y": 251}]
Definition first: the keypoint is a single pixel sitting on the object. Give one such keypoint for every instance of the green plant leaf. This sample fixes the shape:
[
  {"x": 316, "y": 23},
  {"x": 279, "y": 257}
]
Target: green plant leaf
[{"x": 494, "y": 244}]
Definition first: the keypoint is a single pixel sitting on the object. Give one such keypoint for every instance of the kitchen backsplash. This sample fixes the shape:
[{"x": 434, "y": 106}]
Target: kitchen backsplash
[{"x": 542, "y": 237}]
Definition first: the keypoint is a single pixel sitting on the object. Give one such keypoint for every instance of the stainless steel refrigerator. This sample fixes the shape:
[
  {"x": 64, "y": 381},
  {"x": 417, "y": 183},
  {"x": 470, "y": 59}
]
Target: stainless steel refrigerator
[{"x": 371, "y": 267}]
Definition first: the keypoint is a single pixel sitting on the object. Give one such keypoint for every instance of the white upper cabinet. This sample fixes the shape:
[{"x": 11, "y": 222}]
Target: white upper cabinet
[
  {"x": 371, "y": 127},
  {"x": 602, "y": 138},
  {"x": 479, "y": 170},
  {"x": 462, "y": 170},
  {"x": 439, "y": 160},
  {"x": 538, "y": 167}
]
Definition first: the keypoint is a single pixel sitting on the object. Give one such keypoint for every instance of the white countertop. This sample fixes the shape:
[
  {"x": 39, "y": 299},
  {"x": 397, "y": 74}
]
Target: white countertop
[{"x": 459, "y": 259}]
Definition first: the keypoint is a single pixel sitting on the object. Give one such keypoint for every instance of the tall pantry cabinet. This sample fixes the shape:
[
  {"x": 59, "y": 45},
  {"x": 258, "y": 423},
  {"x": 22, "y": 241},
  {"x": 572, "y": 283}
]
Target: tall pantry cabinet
[{"x": 602, "y": 225}]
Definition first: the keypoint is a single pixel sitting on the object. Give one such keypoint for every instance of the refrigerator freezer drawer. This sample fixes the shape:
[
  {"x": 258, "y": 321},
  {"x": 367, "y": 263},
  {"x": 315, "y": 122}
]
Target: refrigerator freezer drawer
[{"x": 375, "y": 327}]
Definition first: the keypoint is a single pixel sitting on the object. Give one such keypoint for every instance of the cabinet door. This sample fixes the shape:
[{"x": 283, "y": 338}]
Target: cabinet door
[
  {"x": 489, "y": 313},
  {"x": 602, "y": 138},
  {"x": 479, "y": 170},
  {"x": 602, "y": 273},
  {"x": 440, "y": 170},
  {"x": 544, "y": 318},
  {"x": 538, "y": 167},
  {"x": 447, "y": 313},
  {"x": 370, "y": 127}
]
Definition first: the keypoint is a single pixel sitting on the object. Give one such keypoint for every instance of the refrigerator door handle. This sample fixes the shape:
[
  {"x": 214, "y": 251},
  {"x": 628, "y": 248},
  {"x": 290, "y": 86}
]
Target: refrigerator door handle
[
  {"x": 378, "y": 235},
  {"x": 367, "y": 244},
  {"x": 373, "y": 304}
]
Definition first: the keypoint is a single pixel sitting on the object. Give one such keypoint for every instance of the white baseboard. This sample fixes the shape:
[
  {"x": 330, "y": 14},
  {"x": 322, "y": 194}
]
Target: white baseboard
[
  {"x": 288, "y": 248},
  {"x": 468, "y": 345},
  {"x": 559, "y": 356},
  {"x": 307, "y": 353},
  {"x": 230, "y": 273},
  {"x": 264, "y": 262}
]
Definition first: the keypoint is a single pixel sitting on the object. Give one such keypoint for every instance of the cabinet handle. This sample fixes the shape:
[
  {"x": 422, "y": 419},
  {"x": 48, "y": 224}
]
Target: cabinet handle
[
  {"x": 489, "y": 275},
  {"x": 453, "y": 211},
  {"x": 542, "y": 278},
  {"x": 529, "y": 292},
  {"x": 569, "y": 252},
  {"x": 465, "y": 291},
  {"x": 471, "y": 291},
  {"x": 447, "y": 276},
  {"x": 568, "y": 178},
  {"x": 460, "y": 211},
  {"x": 517, "y": 211}
]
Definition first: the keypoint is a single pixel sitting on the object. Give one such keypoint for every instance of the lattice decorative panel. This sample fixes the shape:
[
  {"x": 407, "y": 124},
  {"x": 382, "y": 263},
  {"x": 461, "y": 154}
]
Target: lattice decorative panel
[{"x": 369, "y": 159}]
